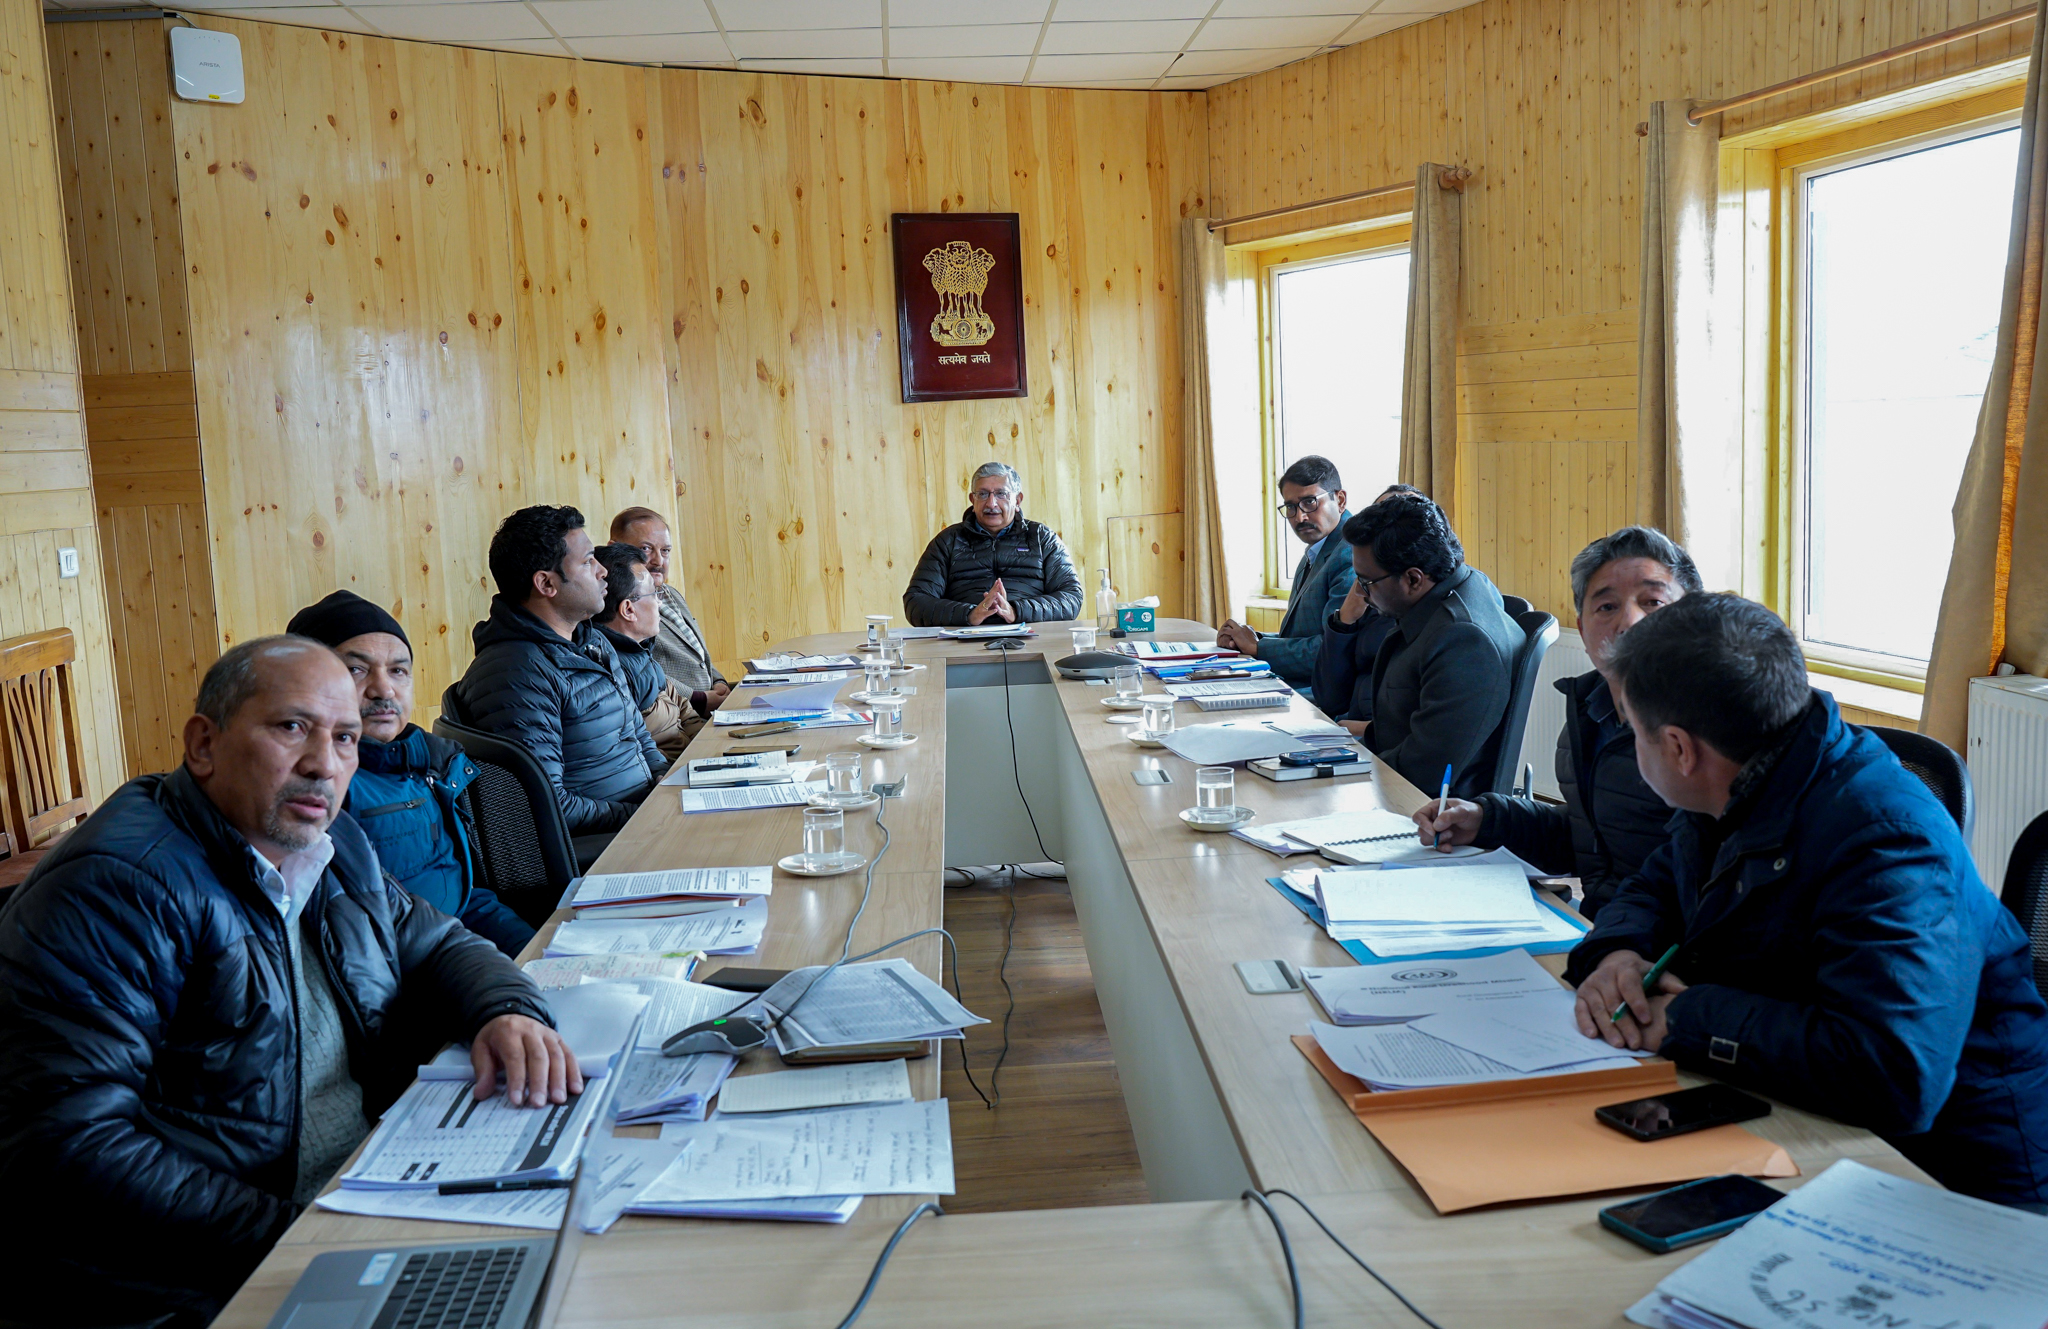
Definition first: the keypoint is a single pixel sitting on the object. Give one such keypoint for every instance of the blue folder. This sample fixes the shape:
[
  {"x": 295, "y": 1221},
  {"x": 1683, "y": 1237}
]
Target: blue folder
[{"x": 1357, "y": 950}]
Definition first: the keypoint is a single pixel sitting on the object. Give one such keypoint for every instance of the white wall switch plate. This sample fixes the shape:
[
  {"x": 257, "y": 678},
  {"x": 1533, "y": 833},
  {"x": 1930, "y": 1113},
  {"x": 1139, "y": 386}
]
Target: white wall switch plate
[{"x": 67, "y": 562}]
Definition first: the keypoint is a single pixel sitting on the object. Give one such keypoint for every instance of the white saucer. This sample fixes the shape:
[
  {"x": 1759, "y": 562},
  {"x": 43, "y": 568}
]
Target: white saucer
[
  {"x": 1122, "y": 703},
  {"x": 891, "y": 695},
  {"x": 1243, "y": 818},
  {"x": 845, "y": 862},
  {"x": 1125, "y": 718},
  {"x": 1141, "y": 741},
  {"x": 900, "y": 741},
  {"x": 866, "y": 800}
]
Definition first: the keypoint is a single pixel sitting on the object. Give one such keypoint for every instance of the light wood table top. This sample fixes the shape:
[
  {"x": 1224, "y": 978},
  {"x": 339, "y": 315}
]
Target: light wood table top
[{"x": 1206, "y": 901}]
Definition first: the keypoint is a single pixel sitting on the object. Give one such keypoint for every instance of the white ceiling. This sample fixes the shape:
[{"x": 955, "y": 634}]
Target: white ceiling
[{"x": 1159, "y": 44}]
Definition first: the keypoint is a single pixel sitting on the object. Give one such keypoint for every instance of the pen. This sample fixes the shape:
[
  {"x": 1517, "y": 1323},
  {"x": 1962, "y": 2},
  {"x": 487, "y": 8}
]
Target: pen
[
  {"x": 500, "y": 1187},
  {"x": 1649, "y": 981},
  {"x": 1442, "y": 799}
]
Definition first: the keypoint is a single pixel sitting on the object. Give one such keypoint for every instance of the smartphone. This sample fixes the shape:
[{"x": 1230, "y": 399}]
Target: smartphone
[
  {"x": 1677, "y": 1114},
  {"x": 788, "y": 749},
  {"x": 762, "y": 730},
  {"x": 1319, "y": 757},
  {"x": 1689, "y": 1214},
  {"x": 737, "y": 979}
]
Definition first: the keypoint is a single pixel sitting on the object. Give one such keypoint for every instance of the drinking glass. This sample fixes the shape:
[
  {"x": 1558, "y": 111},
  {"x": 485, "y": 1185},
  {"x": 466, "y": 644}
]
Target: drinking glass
[
  {"x": 843, "y": 777},
  {"x": 1130, "y": 682},
  {"x": 1084, "y": 639},
  {"x": 1215, "y": 792},
  {"x": 874, "y": 678},
  {"x": 824, "y": 836},
  {"x": 1156, "y": 719},
  {"x": 892, "y": 652},
  {"x": 888, "y": 719},
  {"x": 878, "y": 630}
]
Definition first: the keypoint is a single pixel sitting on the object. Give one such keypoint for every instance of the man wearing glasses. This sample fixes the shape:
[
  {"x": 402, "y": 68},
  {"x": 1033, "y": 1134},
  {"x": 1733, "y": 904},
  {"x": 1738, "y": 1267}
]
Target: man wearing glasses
[
  {"x": 1312, "y": 502},
  {"x": 994, "y": 565},
  {"x": 631, "y": 620},
  {"x": 677, "y": 644}
]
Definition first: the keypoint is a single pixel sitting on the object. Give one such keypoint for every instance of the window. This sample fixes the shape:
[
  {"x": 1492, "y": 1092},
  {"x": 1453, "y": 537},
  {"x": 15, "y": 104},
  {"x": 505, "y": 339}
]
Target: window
[
  {"x": 1902, "y": 258},
  {"x": 1334, "y": 315}
]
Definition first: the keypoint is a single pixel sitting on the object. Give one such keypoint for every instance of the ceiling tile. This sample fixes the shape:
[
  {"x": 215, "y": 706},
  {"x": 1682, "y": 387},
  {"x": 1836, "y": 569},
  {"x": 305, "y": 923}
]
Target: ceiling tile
[
  {"x": 522, "y": 45},
  {"x": 1190, "y": 84},
  {"x": 624, "y": 18},
  {"x": 684, "y": 48},
  {"x": 1241, "y": 34},
  {"x": 457, "y": 22},
  {"x": 234, "y": 7},
  {"x": 1418, "y": 6},
  {"x": 1290, "y": 8},
  {"x": 842, "y": 68},
  {"x": 760, "y": 15},
  {"x": 1237, "y": 62},
  {"x": 1116, "y": 38},
  {"x": 809, "y": 44},
  {"x": 1113, "y": 10},
  {"x": 332, "y": 17},
  {"x": 1102, "y": 84},
  {"x": 948, "y": 13},
  {"x": 985, "y": 39},
  {"x": 1068, "y": 68},
  {"x": 991, "y": 69}
]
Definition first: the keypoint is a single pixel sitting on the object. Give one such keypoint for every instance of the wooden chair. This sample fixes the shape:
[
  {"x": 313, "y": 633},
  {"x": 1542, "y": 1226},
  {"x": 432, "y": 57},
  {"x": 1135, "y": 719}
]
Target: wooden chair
[{"x": 44, "y": 773}]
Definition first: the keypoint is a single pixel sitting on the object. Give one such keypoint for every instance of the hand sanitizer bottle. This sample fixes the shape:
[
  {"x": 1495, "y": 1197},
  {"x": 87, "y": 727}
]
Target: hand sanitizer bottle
[{"x": 1105, "y": 605}]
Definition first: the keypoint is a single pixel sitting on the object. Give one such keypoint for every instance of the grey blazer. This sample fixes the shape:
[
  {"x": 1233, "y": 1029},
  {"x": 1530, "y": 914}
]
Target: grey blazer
[
  {"x": 679, "y": 645},
  {"x": 1318, "y": 589},
  {"x": 1440, "y": 685}
]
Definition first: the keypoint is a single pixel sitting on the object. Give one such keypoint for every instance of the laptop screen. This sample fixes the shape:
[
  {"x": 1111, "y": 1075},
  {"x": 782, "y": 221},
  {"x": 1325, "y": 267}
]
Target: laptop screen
[{"x": 554, "y": 1293}]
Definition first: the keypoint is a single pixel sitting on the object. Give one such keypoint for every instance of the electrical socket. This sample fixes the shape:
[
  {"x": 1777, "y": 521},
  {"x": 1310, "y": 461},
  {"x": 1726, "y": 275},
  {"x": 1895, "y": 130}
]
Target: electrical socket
[{"x": 67, "y": 562}]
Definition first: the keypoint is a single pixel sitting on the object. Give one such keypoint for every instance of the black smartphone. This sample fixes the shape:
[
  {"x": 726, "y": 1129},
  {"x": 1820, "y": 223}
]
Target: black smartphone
[
  {"x": 1687, "y": 1110},
  {"x": 790, "y": 749},
  {"x": 1319, "y": 757},
  {"x": 736, "y": 979},
  {"x": 1695, "y": 1212}
]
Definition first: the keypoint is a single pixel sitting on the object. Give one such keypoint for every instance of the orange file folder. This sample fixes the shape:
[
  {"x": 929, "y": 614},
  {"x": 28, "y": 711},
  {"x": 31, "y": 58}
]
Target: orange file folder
[{"x": 1469, "y": 1145}]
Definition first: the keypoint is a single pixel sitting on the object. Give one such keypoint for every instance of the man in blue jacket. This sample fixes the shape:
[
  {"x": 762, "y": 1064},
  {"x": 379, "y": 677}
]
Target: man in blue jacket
[
  {"x": 408, "y": 786},
  {"x": 1836, "y": 948},
  {"x": 1312, "y": 500},
  {"x": 546, "y": 679}
]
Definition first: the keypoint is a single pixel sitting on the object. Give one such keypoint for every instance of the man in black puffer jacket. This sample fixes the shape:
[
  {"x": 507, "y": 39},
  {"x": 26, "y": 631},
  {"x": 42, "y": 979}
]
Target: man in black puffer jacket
[
  {"x": 544, "y": 678},
  {"x": 993, "y": 565},
  {"x": 208, "y": 992}
]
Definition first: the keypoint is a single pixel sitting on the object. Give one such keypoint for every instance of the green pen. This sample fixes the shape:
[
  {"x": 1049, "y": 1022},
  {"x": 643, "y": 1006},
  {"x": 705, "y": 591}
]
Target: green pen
[{"x": 1649, "y": 981}]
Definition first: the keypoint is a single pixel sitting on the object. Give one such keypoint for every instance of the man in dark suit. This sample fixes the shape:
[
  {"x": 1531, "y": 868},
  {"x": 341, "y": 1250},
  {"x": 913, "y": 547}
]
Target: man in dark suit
[{"x": 1312, "y": 501}]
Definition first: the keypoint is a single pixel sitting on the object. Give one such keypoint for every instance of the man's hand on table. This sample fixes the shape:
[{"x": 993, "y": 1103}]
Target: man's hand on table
[
  {"x": 994, "y": 604},
  {"x": 538, "y": 1066},
  {"x": 1235, "y": 636},
  {"x": 1619, "y": 980},
  {"x": 1450, "y": 824}
]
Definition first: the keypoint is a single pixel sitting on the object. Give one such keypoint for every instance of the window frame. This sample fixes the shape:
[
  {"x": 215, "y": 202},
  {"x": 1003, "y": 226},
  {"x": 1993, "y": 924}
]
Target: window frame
[{"x": 1377, "y": 238}]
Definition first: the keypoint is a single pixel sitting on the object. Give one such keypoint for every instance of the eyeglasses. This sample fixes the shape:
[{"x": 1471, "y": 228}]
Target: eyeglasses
[
  {"x": 1369, "y": 582},
  {"x": 1305, "y": 505},
  {"x": 990, "y": 495}
]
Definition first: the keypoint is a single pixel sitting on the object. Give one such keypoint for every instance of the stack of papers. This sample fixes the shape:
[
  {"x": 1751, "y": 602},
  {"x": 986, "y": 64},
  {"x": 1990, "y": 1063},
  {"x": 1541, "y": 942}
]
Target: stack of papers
[
  {"x": 1426, "y": 909},
  {"x": 668, "y": 893},
  {"x": 735, "y": 931},
  {"x": 822, "y": 1157},
  {"x": 622, "y": 1167},
  {"x": 884, "y": 1001},
  {"x": 594, "y": 1019},
  {"x": 569, "y": 970},
  {"x": 1403, "y": 1056},
  {"x": 1398, "y": 993},
  {"x": 815, "y": 695},
  {"x": 654, "y": 1088},
  {"x": 1225, "y": 687},
  {"x": 781, "y": 795},
  {"x": 797, "y": 664},
  {"x": 437, "y": 1131},
  {"x": 833, "y": 717},
  {"x": 985, "y": 631},
  {"x": 674, "y": 1005},
  {"x": 709, "y": 772},
  {"x": 846, "y": 1085},
  {"x": 1856, "y": 1247},
  {"x": 1232, "y": 741}
]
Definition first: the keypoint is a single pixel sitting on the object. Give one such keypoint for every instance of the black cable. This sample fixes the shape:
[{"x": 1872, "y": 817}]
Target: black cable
[
  {"x": 1015, "y": 774},
  {"x": 867, "y": 889},
  {"x": 882, "y": 1260},
  {"x": 1417, "y": 1311},
  {"x": 1003, "y": 973},
  {"x": 1286, "y": 1249}
]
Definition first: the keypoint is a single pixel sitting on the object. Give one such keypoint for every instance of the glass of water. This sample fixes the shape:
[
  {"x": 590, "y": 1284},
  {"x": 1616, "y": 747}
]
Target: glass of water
[
  {"x": 1215, "y": 793},
  {"x": 843, "y": 778},
  {"x": 1084, "y": 638},
  {"x": 1156, "y": 719},
  {"x": 892, "y": 652},
  {"x": 824, "y": 837},
  {"x": 888, "y": 719},
  {"x": 878, "y": 630},
  {"x": 1130, "y": 683},
  {"x": 874, "y": 679}
]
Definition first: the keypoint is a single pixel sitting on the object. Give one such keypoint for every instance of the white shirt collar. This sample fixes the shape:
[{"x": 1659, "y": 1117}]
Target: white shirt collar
[{"x": 289, "y": 883}]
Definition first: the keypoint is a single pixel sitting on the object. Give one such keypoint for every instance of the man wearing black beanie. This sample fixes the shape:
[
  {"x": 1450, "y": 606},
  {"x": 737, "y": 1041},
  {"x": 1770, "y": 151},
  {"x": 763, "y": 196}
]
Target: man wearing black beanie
[{"x": 408, "y": 781}]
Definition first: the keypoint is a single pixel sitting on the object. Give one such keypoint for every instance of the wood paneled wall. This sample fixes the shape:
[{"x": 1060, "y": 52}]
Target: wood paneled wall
[
  {"x": 1541, "y": 99},
  {"x": 430, "y": 285},
  {"x": 111, "y": 92},
  {"x": 45, "y": 480}
]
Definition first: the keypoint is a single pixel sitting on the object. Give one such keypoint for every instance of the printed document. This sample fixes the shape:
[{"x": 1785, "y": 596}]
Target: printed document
[
  {"x": 897, "y": 1149},
  {"x": 1228, "y": 687},
  {"x": 675, "y": 1004},
  {"x": 613, "y": 887},
  {"x": 569, "y": 970},
  {"x": 784, "y": 794},
  {"x": 1394, "y": 1056},
  {"x": 1403, "y": 991},
  {"x": 657, "y": 1088},
  {"x": 594, "y": 1019},
  {"x": 883, "y": 1001},
  {"x": 814, "y": 695},
  {"x": 784, "y": 664},
  {"x": 735, "y": 931},
  {"x": 623, "y": 1167},
  {"x": 438, "y": 1132},
  {"x": 1535, "y": 1032},
  {"x": 818, "y": 1087}
]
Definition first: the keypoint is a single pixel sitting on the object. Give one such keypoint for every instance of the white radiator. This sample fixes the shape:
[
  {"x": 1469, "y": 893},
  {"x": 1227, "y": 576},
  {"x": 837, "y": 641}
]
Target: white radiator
[
  {"x": 2008, "y": 761},
  {"x": 1565, "y": 659}
]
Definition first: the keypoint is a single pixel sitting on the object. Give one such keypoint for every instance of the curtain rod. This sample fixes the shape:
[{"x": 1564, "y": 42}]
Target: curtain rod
[
  {"x": 1452, "y": 178},
  {"x": 1981, "y": 26}
]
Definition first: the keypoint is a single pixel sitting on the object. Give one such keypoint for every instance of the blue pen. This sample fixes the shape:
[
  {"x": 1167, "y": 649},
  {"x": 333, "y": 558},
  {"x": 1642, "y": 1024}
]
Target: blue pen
[{"x": 1442, "y": 799}]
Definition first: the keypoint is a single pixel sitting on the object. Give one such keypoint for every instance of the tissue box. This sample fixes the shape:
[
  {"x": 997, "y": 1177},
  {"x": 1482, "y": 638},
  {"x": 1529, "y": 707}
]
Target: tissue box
[{"x": 1135, "y": 618}]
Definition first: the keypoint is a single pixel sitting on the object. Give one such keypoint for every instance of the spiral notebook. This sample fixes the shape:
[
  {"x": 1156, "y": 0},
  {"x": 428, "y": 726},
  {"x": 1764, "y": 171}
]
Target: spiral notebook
[
  {"x": 1372, "y": 836},
  {"x": 1243, "y": 701}
]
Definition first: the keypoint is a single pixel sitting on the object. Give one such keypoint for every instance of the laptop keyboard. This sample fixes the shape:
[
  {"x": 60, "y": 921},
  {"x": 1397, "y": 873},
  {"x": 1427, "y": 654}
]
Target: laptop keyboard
[{"x": 452, "y": 1289}]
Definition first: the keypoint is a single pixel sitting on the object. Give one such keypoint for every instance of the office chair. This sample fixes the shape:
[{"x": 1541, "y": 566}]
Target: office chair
[
  {"x": 1938, "y": 767},
  {"x": 1539, "y": 630},
  {"x": 523, "y": 843},
  {"x": 1516, "y": 606},
  {"x": 2026, "y": 891}
]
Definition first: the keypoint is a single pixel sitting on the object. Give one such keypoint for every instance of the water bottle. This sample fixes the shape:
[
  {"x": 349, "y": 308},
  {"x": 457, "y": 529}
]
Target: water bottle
[{"x": 1105, "y": 605}]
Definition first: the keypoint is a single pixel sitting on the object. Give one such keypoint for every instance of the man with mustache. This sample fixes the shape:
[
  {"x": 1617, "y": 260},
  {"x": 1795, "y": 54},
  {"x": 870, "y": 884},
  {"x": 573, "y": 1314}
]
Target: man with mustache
[
  {"x": 1312, "y": 503},
  {"x": 209, "y": 991},
  {"x": 408, "y": 787},
  {"x": 994, "y": 565}
]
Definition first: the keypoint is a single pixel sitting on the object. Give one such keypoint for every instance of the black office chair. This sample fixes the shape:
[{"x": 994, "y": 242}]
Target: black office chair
[
  {"x": 1539, "y": 630},
  {"x": 2026, "y": 891},
  {"x": 523, "y": 843},
  {"x": 1516, "y": 606},
  {"x": 1939, "y": 768}
]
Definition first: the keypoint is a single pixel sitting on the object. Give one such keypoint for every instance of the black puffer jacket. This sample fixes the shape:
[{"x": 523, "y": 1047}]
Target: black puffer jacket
[
  {"x": 963, "y": 561},
  {"x": 149, "y": 1097},
  {"x": 570, "y": 704},
  {"x": 1611, "y": 819}
]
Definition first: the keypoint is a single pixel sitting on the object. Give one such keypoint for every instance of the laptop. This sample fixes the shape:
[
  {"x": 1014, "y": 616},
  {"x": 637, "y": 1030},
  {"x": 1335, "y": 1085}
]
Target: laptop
[{"x": 514, "y": 1283}]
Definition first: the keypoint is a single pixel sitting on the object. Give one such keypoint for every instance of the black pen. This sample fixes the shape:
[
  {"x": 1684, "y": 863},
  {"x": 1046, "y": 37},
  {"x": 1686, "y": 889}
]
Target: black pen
[{"x": 500, "y": 1187}]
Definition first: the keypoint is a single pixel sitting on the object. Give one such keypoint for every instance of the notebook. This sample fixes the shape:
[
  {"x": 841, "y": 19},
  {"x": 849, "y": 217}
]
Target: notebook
[{"x": 1244, "y": 701}]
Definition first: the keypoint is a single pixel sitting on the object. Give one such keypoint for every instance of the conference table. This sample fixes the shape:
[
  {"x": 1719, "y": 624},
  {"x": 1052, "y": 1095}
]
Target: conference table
[{"x": 1013, "y": 764}]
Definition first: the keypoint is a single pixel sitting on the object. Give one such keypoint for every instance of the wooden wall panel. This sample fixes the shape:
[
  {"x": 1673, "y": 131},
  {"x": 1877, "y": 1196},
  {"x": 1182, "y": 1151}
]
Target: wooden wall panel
[
  {"x": 45, "y": 483},
  {"x": 1541, "y": 99}
]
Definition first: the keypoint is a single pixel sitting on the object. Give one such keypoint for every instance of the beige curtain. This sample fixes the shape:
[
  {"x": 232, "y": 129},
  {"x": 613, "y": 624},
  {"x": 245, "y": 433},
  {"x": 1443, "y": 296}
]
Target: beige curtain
[
  {"x": 1202, "y": 296},
  {"x": 1429, "y": 378},
  {"x": 1995, "y": 606},
  {"x": 1688, "y": 426}
]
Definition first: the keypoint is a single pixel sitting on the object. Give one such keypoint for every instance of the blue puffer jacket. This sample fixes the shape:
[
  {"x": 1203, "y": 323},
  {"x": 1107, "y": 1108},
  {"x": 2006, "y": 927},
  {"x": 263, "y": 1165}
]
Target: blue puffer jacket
[
  {"x": 570, "y": 704},
  {"x": 1842, "y": 955},
  {"x": 404, "y": 797}
]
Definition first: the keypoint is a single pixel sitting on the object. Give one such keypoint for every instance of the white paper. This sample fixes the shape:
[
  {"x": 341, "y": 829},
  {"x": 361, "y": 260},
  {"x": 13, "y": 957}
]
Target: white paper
[
  {"x": 438, "y": 1132},
  {"x": 1400, "y": 992},
  {"x": 781, "y": 664},
  {"x": 704, "y": 772},
  {"x": 622, "y": 1167},
  {"x": 783, "y": 795},
  {"x": 882, "y": 1001},
  {"x": 1394, "y": 1056},
  {"x": 817, "y": 1087},
  {"x": 1368, "y": 825},
  {"x": 1227, "y": 742},
  {"x": 567, "y": 971},
  {"x": 1465, "y": 858},
  {"x": 678, "y": 776},
  {"x": 1856, "y": 1247},
  {"x": 813, "y": 695},
  {"x": 1489, "y": 895},
  {"x": 657, "y": 1088},
  {"x": 613, "y": 887},
  {"x": 834, "y": 718},
  {"x": 1173, "y": 650},
  {"x": 898, "y": 1149},
  {"x": 592, "y": 1018},
  {"x": 1312, "y": 726},
  {"x": 676, "y": 1004},
  {"x": 1533, "y": 1032},
  {"x": 1225, "y": 687},
  {"x": 784, "y": 680},
  {"x": 808, "y": 1209},
  {"x": 735, "y": 931}
]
